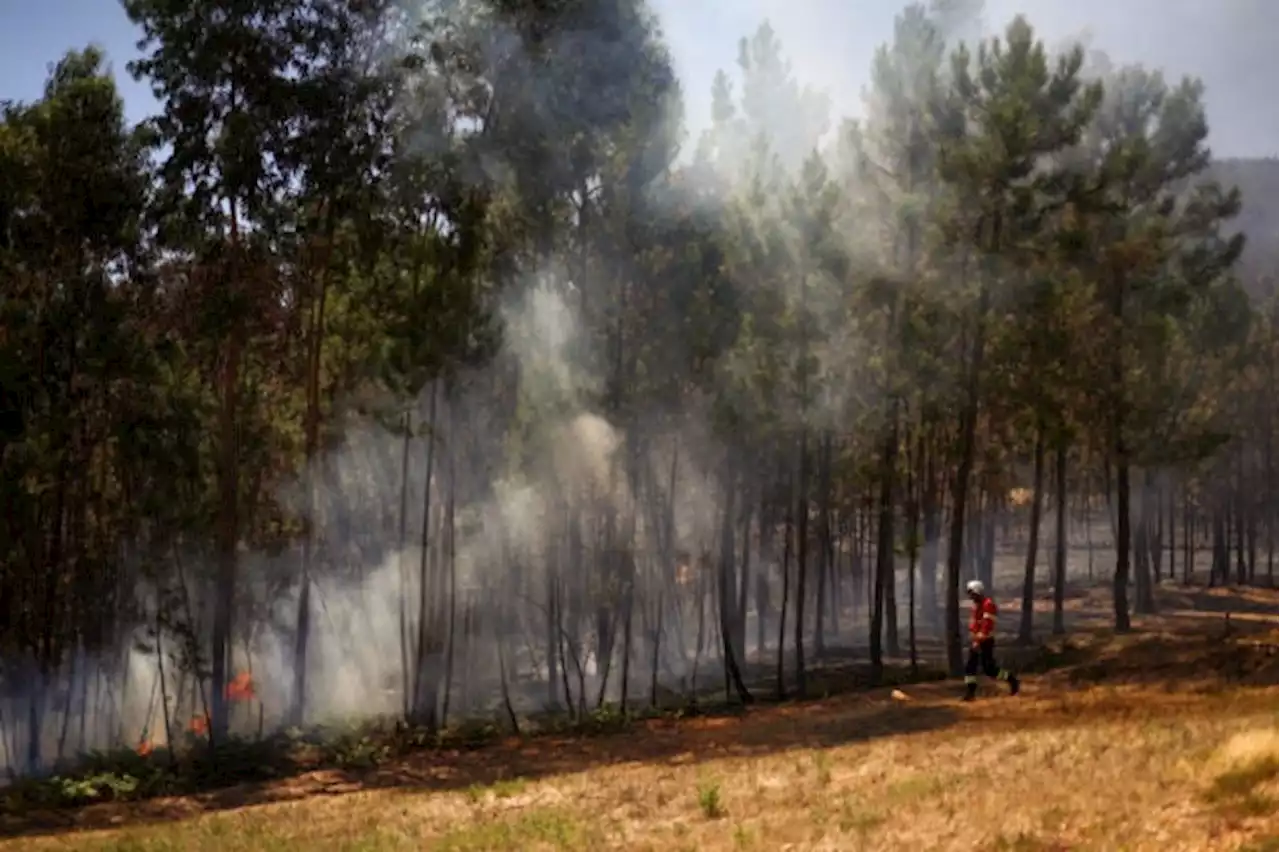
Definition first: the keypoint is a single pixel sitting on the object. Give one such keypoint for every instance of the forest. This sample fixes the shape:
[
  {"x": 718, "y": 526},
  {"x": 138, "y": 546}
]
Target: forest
[{"x": 414, "y": 362}]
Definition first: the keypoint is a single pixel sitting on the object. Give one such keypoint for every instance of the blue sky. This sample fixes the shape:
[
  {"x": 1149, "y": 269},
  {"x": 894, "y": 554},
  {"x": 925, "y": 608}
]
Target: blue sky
[
  {"x": 1230, "y": 44},
  {"x": 36, "y": 33}
]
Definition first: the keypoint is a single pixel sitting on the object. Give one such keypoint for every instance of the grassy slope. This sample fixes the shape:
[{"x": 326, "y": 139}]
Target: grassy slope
[{"x": 1163, "y": 740}]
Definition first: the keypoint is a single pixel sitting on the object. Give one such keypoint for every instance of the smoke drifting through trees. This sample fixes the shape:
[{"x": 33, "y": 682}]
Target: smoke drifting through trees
[{"x": 413, "y": 373}]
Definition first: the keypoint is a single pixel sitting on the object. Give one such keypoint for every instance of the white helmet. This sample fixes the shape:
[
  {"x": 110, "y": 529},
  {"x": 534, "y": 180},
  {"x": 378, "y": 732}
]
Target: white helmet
[{"x": 974, "y": 587}]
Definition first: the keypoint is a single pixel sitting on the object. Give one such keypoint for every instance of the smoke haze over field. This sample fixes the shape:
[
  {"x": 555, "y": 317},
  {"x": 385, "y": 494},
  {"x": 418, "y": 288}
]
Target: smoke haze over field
[{"x": 795, "y": 370}]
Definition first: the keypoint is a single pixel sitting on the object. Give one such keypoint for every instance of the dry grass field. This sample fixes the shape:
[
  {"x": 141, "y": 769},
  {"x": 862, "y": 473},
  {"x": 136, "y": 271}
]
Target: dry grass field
[{"x": 1164, "y": 739}]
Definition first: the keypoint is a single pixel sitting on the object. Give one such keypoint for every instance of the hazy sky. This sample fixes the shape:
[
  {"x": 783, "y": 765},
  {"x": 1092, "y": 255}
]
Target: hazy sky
[{"x": 1232, "y": 45}]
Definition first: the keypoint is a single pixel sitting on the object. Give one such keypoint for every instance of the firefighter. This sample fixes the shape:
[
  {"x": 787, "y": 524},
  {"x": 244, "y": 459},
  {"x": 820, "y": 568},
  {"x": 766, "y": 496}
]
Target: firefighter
[{"x": 982, "y": 647}]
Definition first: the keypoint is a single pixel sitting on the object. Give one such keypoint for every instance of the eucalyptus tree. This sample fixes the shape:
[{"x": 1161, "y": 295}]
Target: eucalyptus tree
[
  {"x": 76, "y": 374},
  {"x": 222, "y": 74}
]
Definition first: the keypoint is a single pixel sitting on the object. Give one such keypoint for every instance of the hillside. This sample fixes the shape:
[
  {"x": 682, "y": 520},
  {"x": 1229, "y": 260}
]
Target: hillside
[
  {"x": 1162, "y": 740},
  {"x": 1259, "y": 218}
]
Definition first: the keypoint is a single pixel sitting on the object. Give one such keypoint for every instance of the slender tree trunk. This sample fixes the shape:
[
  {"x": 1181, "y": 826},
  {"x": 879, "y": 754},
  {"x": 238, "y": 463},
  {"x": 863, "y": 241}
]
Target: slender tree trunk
[
  {"x": 629, "y": 600},
  {"x": 311, "y": 445},
  {"x": 960, "y": 490},
  {"x": 1120, "y": 583},
  {"x": 733, "y": 674},
  {"x": 1146, "y": 602},
  {"x": 1060, "y": 537},
  {"x": 929, "y": 552},
  {"x": 424, "y": 694},
  {"x": 802, "y": 558},
  {"x": 987, "y": 541},
  {"x": 1219, "y": 566},
  {"x": 1025, "y": 624},
  {"x": 700, "y": 598},
  {"x": 228, "y": 541},
  {"x": 765, "y": 524},
  {"x": 407, "y": 679},
  {"x": 892, "y": 643},
  {"x": 1188, "y": 534},
  {"x": 782, "y": 609},
  {"x": 164, "y": 687},
  {"x": 451, "y": 557},
  {"x": 1120, "y": 458},
  {"x": 824, "y": 543},
  {"x": 884, "y": 550},
  {"x": 657, "y": 645},
  {"x": 1242, "y": 575},
  {"x": 228, "y": 524},
  {"x": 744, "y": 581},
  {"x": 1088, "y": 537},
  {"x": 913, "y": 550},
  {"x": 503, "y": 680},
  {"x": 1157, "y": 533}
]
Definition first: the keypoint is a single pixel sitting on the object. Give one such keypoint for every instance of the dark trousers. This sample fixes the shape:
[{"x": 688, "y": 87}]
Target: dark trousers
[{"x": 983, "y": 659}]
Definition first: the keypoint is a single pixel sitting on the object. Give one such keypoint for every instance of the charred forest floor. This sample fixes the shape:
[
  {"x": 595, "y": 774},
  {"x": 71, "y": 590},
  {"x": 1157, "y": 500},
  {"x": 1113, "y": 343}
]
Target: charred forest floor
[{"x": 1163, "y": 739}]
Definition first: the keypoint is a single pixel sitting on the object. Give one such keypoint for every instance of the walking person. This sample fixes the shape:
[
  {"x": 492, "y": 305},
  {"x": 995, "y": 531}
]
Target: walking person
[{"x": 982, "y": 645}]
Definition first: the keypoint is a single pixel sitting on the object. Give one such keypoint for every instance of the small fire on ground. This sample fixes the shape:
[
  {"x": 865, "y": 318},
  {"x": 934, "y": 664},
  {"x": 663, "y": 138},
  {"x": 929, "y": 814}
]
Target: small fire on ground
[{"x": 240, "y": 689}]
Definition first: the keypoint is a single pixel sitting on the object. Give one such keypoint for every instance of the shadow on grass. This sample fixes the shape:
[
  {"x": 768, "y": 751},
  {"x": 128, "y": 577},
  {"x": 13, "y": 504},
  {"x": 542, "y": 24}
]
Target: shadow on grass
[
  {"x": 1250, "y": 600},
  {"x": 1174, "y": 651},
  {"x": 762, "y": 730}
]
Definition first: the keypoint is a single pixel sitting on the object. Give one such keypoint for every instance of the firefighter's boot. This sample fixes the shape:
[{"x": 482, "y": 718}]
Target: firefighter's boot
[{"x": 970, "y": 688}]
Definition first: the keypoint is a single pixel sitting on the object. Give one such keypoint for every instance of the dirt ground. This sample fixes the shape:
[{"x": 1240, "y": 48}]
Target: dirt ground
[{"x": 1163, "y": 739}]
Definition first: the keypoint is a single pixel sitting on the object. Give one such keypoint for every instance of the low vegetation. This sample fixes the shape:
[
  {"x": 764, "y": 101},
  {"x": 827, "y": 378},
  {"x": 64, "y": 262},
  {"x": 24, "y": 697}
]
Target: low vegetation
[{"x": 1135, "y": 759}]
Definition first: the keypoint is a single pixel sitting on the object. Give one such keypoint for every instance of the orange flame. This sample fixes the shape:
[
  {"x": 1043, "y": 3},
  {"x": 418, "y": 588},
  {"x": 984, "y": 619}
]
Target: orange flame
[
  {"x": 145, "y": 747},
  {"x": 241, "y": 688}
]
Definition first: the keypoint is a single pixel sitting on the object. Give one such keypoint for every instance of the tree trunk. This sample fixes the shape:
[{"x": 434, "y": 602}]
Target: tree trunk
[
  {"x": 884, "y": 550},
  {"x": 407, "y": 678},
  {"x": 1025, "y": 623},
  {"x": 960, "y": 488},
  {"x": 733, "y": 673},
  {"x": 744, "y": 582},
  {"x": 451, "y": 559},
  {"x": 1060, "y": 537},
  {"x": 227, "y": 541},
  {"x": 802, "y": 557},
  {"x": 824, "y": 543},
  {"x": 782, "y": 609},
  {"x": 424, "y": 692},
  {"x": 1218, "y": 567},
  {"x": 765, "y": 523},
  {"x": 1120, "y": 458},
  {"x": 1146, "y": 602},
  {"x": 987, "y": 521},
  {"x": 1120, "y": 582},
  {"x": 1188, "y": 532},
  {"x": 929, "y": 546},
  {"x": 311, "y": 445},
  {"x": 913, "y": 550}
]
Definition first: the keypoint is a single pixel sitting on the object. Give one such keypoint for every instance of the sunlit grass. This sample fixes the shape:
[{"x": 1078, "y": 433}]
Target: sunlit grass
[{"x": 1122, "y": 764}]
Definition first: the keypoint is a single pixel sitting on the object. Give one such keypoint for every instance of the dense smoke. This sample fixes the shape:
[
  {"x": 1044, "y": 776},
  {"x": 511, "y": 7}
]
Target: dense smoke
[{"x": 514, "y": 534}]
